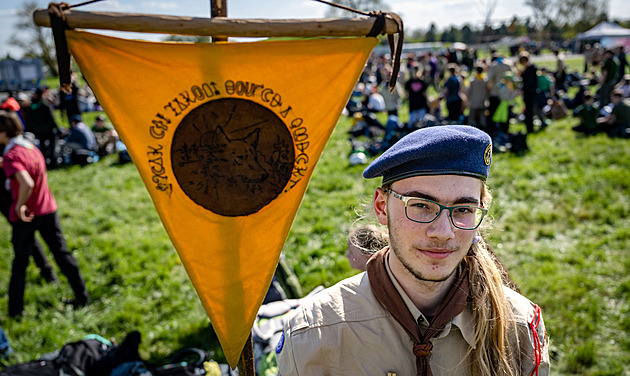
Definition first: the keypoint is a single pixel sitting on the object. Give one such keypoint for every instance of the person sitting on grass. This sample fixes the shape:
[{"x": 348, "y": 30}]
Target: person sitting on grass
[
  {"x": 588, "y": 114},
  {"x": 80, "y": 142},
  {"x": 105, "y": 136},
  {"x": 617, "y": 124}
]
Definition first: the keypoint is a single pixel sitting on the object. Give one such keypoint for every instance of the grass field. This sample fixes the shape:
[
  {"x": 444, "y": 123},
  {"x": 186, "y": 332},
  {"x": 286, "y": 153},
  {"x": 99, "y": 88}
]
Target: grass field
[{"x": 561, "y": 219}]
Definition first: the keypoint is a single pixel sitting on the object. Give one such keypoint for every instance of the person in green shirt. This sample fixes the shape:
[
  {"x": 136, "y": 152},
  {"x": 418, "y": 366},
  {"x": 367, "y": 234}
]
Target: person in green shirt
[{"x": 588, "y": 114}]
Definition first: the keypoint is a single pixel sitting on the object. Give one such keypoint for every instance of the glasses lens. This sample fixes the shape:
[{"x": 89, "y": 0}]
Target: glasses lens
[
  {"x": 467, "y": 217},
  {"x": 421, "y": 210},
  {"x": 464, "y": 217}
]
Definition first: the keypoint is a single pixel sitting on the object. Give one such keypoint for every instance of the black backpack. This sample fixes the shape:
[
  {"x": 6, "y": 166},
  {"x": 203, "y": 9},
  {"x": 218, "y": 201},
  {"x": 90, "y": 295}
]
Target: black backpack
[
  {"x": 73, "y": 359},
  {"x": 34, "y": 368},
  {"x": 93, "y": 356}
]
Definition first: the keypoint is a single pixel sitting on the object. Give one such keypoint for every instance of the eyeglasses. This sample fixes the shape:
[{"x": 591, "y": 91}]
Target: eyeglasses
[{"x": 422, "y": 210}]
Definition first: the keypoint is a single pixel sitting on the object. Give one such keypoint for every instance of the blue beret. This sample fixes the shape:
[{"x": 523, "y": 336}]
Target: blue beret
[{"x": 439, "y": 150}]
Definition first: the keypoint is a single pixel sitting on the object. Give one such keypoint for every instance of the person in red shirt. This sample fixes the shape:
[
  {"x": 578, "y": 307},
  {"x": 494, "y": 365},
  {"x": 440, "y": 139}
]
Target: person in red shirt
[{"x": 33, "y": 209}]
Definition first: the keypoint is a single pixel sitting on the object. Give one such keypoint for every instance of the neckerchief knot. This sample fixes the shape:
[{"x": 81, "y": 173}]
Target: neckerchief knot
[
  {"x": 452, "y": 305},
  {"x": 422, "y": 349}
]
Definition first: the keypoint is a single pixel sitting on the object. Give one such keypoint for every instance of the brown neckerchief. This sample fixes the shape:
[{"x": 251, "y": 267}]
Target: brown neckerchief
[{"x": 386, "y": 293}]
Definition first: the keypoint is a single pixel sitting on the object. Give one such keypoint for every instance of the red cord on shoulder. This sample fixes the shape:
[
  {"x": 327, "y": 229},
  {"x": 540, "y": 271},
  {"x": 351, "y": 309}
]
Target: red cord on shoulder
[{"x": 538, "y": 346}]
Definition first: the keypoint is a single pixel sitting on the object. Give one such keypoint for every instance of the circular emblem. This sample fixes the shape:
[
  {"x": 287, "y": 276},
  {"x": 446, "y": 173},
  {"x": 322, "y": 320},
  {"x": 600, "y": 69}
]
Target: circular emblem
[
  {"x": 487, "y": 155},
  {"x": 232, "y": 156}
]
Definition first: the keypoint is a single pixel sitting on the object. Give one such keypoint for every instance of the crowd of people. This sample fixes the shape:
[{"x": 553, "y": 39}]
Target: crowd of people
[
  {"x": 446, "y": 88},
  {"x": 31, "y": 142},
  {"x": 439, "y": 89},
  {"x": 63, "y": 146}
]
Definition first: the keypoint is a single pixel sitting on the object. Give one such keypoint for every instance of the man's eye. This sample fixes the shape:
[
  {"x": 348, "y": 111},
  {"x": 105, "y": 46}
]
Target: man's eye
[
  {"x": 464, "y": 210},
  {"x": 419, "y": 205}
]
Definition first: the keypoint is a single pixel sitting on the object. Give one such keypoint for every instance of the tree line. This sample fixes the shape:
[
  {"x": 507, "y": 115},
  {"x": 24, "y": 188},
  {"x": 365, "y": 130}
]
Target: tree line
[{"x": 551, "y": 20}]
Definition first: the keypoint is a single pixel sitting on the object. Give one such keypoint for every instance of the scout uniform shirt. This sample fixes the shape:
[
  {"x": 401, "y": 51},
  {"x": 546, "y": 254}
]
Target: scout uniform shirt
[{"x": 346, "y": 331}]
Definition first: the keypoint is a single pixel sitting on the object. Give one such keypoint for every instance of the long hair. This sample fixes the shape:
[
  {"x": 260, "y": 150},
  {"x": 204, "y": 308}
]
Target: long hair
[
  {"x": 496, "y": 340},
  {"x": 368, "y": 238}
]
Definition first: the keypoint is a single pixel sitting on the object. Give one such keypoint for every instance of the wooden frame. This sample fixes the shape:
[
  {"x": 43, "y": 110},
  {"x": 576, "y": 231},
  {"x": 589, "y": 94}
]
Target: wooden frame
[{"x": 217, "y": 26}]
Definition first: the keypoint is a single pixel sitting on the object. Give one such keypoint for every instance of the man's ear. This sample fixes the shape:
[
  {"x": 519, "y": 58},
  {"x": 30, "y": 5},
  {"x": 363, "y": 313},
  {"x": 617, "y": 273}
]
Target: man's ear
[{"x": 380, "y": 205}]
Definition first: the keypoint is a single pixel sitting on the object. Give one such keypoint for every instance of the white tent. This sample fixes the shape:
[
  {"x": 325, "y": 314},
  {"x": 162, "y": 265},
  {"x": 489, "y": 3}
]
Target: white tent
[{"x": 604, "y": 30}]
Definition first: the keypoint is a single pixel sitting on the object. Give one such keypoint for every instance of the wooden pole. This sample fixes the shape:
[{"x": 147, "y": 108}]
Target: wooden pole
[
  {"x": 217, "y": 26},
  {"x": 218, "y": 8},
  {"x": 246, "y": 365}
]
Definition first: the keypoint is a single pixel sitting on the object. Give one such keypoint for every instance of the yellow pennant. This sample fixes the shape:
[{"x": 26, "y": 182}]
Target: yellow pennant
[{"x": 225, "y": 137}]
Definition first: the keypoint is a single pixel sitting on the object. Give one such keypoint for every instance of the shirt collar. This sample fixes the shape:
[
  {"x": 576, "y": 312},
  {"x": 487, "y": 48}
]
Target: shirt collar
[
  {"x": 463, "y": 321},
  {"x": 18, "y": 140}
]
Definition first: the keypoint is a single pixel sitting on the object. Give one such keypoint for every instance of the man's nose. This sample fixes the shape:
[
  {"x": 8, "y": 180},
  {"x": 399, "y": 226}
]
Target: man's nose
[{"x": 441, "y": 227}]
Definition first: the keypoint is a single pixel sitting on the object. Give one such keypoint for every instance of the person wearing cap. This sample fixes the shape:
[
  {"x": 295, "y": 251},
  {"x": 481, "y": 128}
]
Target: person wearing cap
[
  {"x": 80, "y": 142},
  {"x": 80, "y": 135},
  {"x": 435, "y": 302},
  {"x": 34, "y": 209}
]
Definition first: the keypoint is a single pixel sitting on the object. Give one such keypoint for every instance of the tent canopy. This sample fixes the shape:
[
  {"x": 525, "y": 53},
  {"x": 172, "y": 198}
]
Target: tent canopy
[{"x": 604, "y": 29}]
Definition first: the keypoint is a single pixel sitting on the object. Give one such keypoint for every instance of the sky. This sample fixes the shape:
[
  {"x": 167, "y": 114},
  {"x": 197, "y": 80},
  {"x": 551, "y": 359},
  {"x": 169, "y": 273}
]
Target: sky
[{"x": 416, "y": 14}]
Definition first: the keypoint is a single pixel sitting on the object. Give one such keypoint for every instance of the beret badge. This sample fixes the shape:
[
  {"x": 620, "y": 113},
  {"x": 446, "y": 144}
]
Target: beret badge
[{"x": 487, "y": 155}]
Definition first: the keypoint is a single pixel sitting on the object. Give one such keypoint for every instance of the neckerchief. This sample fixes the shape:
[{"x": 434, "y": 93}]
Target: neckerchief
[{"x": 386, "y": 293}]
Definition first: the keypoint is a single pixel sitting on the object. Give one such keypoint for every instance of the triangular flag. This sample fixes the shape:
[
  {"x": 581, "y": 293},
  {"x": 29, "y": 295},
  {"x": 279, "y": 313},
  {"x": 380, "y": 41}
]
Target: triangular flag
[{"x": 225, "y": 137}]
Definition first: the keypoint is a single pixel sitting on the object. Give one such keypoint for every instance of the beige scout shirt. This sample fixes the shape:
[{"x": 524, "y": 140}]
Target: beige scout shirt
[{"x": 345, "y": 331}]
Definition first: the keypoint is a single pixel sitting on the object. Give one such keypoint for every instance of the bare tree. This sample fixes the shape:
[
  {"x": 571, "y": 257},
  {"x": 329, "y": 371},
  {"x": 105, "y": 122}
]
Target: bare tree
[
  {"x": 487, "y": 8},
  {"x": 35, "y": 41},
  {"x": 587, "y": 12},
  {"x": 362, "y": 5},
  {"x": 571, "y": 12},
  {"x": 542, "y": 11}
]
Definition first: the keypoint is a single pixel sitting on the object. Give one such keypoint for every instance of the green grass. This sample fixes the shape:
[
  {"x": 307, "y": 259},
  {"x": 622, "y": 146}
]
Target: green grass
[{"x": 561, "y": 220}]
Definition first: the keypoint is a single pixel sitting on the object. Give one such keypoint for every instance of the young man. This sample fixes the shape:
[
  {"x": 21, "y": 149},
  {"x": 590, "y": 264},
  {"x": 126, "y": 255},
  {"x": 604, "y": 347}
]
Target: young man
[
  {"x": 34, "y": 209},
  {"x": 434, "y": 302}
]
